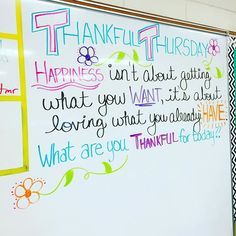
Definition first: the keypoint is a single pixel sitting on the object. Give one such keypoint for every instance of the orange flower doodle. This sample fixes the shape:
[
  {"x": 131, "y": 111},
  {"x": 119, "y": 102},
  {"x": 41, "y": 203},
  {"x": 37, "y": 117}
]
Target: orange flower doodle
[{"x": 27, "y": 193}]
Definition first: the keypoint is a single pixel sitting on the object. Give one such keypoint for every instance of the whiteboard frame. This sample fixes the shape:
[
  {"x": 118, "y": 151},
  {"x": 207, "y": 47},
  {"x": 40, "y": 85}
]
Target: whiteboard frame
[{"x": 143, "y": 15}]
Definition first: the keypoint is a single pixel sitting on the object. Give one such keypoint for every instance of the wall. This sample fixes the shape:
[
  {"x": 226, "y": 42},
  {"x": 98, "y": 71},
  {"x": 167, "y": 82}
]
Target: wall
[{"x": 217, "y": 13}]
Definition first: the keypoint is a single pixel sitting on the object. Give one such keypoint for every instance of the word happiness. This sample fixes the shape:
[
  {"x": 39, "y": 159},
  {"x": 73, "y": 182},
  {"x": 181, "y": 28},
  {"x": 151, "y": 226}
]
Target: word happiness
[
  {"x": 58, "y": 74},
  {"x": 55, "y": 78}
]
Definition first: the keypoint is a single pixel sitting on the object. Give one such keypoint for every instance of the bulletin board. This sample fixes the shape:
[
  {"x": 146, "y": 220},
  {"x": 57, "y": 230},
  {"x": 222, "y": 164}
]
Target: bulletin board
[{"x": 111, "y": 124}]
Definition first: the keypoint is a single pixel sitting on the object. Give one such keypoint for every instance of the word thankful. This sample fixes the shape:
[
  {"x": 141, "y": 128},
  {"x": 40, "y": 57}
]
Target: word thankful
[
  {"x": 145, "y": 97},
  {"x": 60, "y": 155},
  {"x": 203, "y": 135},
  {"x": 4, "y": 90},
  {"x": 152, "y": 142}
]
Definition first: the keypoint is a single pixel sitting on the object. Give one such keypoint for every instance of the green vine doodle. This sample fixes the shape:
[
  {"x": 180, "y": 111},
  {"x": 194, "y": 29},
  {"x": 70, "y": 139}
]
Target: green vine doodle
[
  {"x": 69, "y": 175},
  {"x": 207, "y": 64},
  {"x": 120, "y": 56}
]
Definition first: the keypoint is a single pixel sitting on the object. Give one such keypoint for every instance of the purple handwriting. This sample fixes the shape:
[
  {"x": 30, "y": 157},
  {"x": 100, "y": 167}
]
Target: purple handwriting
[
  {"x": 87, "y": 56},
  {"x": 153, "y": 141},
  {"x": 144, "y": 97}
]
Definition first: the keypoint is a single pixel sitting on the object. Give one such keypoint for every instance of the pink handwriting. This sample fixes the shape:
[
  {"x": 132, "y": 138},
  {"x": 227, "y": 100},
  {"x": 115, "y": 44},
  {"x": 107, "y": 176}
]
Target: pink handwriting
[
  {"x": 57, "y": 78},
  {"x": 4, "y": 90},
  {"x": 51, "y": 21}
]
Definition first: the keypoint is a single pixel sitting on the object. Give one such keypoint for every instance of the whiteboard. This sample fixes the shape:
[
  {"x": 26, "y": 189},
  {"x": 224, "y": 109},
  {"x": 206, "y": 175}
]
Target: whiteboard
[
  {"x": 128, "y": 128},
  {"x": 11, "y": 131}
]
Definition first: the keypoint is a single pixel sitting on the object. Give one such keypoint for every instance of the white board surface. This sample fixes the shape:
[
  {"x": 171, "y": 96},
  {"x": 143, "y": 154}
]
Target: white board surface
[
  {"x": 11, "y": 135},
  {"x": 128, "y": 128}
]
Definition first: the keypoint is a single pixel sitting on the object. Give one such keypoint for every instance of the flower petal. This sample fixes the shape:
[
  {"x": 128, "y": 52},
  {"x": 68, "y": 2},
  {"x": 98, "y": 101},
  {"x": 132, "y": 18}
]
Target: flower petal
[
  {"x": 81, "y": 59},
  {"x": 215, "y": 43},
  {"x": 91, "y": 51},
  {"x": 34, "y": 197},
  {"x": 213, "y": 52},
  {"x": 83, "y": 51},
  {"x": 36, "y": 186},
  {"x": 88, "y": 63},
  {"x": 210, "y": 50},
  {"x": 211, "y": 42},
  {"x": 19, "y": 191},
  {"x": 217, "y": 48},
  {"x": 22, "y": 203},
  {"x": 28, "y": 183},
  {"x": 94, "y": 59}
]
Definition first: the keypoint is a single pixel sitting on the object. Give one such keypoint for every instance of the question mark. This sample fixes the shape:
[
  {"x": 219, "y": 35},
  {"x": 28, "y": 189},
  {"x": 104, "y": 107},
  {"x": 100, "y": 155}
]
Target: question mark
[{"x": 218, "y": 130}]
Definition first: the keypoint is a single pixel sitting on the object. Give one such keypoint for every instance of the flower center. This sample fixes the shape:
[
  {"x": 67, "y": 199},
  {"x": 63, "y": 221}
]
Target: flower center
[
  {"x": 27, "y": 193},
  {"x": 87, "y": 57},
  {"x": 213, "y": 47}
]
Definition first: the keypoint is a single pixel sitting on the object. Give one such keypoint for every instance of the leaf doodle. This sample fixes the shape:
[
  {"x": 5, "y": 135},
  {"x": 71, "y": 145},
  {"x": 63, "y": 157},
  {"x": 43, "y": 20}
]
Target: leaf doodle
[
  {"x": 69, "y": 175},
  {"x": 208, "y": 67},
  {"x": 108, "y": 168},
  {"x": 219, "y": 74},
  {"x": 120, "y": 57},
  {"x": 135, "y": 56}
]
